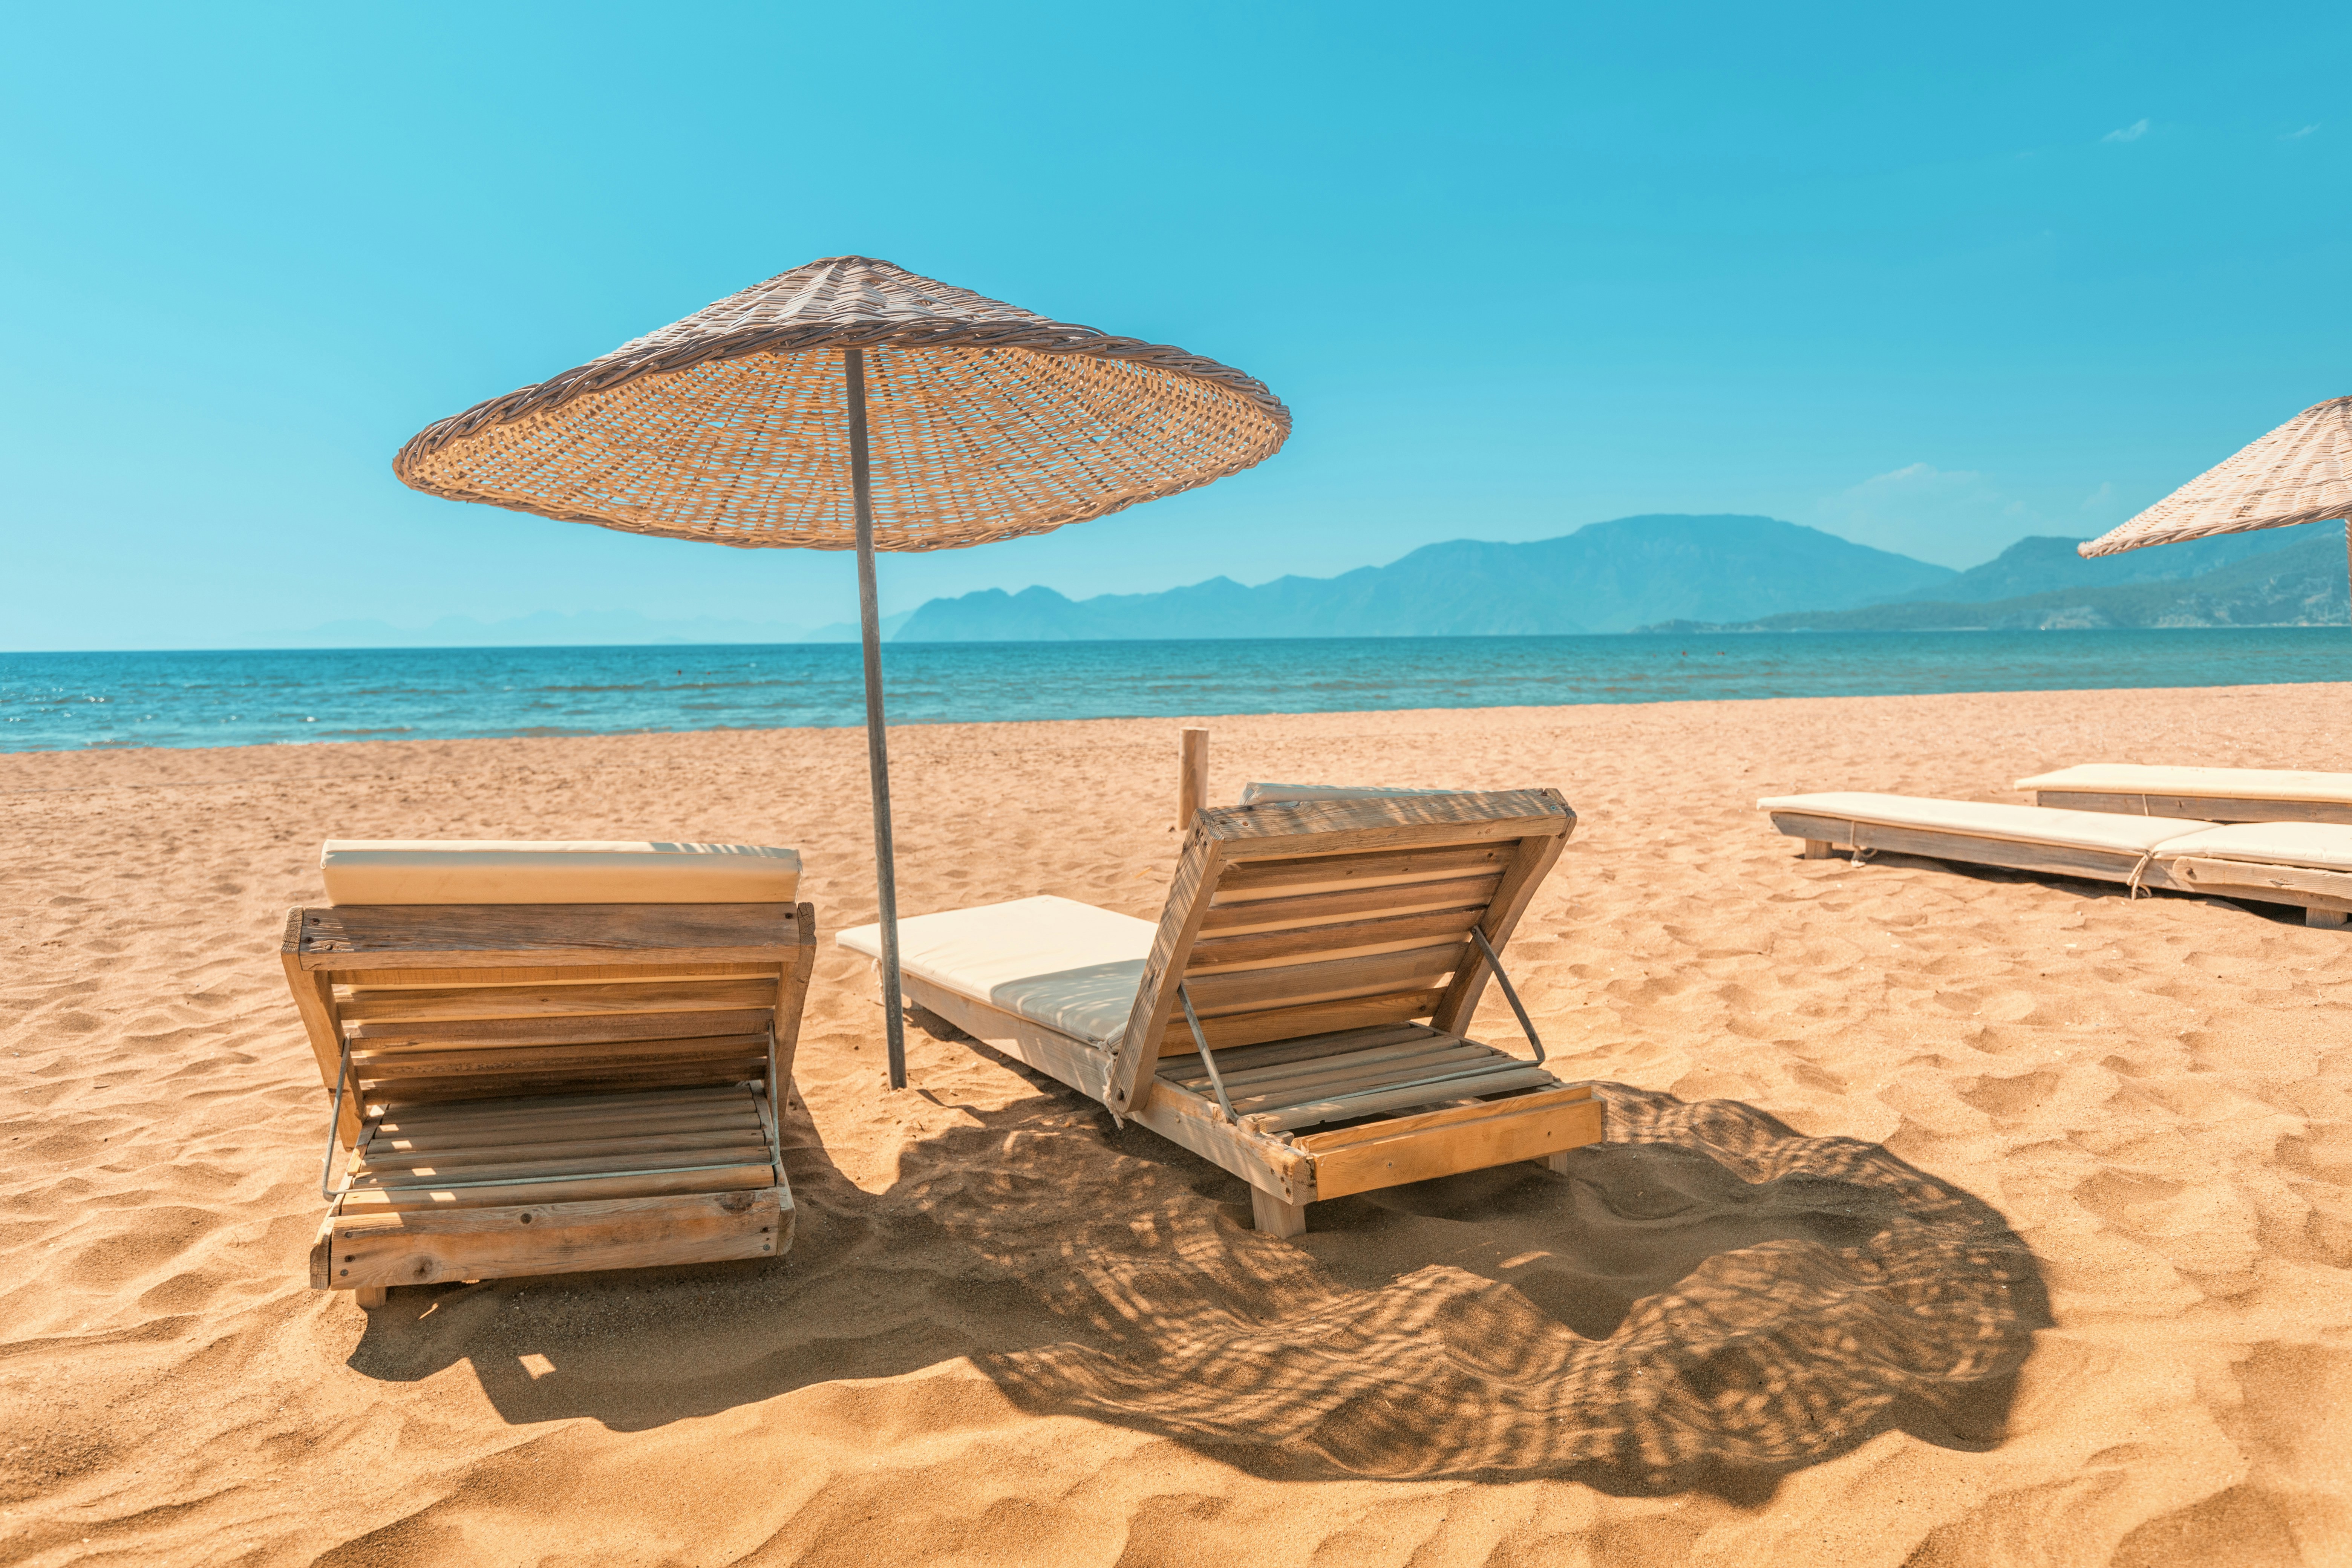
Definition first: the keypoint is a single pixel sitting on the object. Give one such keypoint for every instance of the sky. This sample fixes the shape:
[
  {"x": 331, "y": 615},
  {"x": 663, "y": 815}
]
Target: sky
[{"x": 1930, "y": 278}]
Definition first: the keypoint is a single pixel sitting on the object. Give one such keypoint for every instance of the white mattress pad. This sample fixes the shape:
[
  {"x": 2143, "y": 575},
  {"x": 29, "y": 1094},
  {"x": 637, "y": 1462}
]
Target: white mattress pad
[
  {"x": 1068, "y": 965},
  {"x": 1981, "y": 819},
  {"x": 2232, "y": 783}
]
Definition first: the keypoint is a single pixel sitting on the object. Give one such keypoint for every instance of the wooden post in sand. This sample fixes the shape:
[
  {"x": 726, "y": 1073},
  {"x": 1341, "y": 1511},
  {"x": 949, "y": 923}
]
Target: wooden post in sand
[{"x": 1192, "y": 778}]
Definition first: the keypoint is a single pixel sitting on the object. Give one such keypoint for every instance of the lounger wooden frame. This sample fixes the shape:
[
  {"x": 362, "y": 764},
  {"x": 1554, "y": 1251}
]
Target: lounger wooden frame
[
  {"x": 536, "y": 1088},
  {"x": 1327, "y": 949},
  {"x": 2208, "y": 807},
  {"x": 2325, "y": 897}
]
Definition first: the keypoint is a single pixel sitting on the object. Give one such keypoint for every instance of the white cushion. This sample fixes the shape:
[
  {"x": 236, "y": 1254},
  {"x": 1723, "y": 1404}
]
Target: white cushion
[
  {"x": 518, "y": 872},
  {"x": 1068, "y": 965},
  {"x": 2326, "y": 846},
  {"x": 2014, "y": 824},
  {"x": 2232, "y": 783},
  {"x": 1259, "y": 794}
]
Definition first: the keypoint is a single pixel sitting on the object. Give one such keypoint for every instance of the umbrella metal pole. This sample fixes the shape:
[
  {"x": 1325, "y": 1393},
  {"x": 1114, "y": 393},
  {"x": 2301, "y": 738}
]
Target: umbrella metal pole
[{"x": 878, "y": 752}]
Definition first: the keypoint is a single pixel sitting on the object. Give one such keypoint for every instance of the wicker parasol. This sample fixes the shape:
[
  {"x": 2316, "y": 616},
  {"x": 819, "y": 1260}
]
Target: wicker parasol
[
  {"x": 2300, "y": 472},
  {"x": 850, "y": 404}
]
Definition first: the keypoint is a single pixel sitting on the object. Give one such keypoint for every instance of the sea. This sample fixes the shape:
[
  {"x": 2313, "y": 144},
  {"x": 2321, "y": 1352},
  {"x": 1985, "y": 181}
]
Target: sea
[{"x": 77, "y": 701}]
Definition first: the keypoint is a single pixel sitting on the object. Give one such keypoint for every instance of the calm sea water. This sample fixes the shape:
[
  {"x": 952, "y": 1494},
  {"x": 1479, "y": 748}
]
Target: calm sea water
[{"x": 76, "y": 700}]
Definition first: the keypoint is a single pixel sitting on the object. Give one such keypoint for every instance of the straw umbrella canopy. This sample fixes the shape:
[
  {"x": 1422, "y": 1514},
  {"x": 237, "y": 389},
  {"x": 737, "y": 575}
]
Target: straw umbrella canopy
[
  {"x": 2300, "y": 472},
  {"x": 852, "y": 404}
]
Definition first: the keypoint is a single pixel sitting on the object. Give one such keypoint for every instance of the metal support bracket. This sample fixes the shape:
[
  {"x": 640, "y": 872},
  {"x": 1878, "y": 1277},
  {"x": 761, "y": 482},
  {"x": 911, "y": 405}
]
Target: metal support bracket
[
  {"x": 1510, "y": 993},
  {"x": 1208, "y": 1057}
]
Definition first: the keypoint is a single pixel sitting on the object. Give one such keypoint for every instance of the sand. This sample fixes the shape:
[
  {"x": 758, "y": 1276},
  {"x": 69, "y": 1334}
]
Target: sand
[{"x": 1950, "y": 1216}]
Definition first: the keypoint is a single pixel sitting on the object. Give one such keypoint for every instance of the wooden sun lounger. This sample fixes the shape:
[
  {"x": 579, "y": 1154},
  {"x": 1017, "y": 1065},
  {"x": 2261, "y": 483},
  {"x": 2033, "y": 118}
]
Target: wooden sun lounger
[
  {"x": 534, "y": 1089},
  {"x": 2215, "y": 794},
  {"x": 1295, "y": 1015},
  {"x": 2305, "y": 864}
]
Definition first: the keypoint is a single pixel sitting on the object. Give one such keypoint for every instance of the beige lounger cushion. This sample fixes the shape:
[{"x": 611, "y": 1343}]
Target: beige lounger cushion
[
  {"x": 510, "y": 871},
  {"x": 1979, "y": 819},
  {"x": 2326, "y": 845},
  {"x": 2230, "y": 783},
  {"x": 1068, "y": 965}
]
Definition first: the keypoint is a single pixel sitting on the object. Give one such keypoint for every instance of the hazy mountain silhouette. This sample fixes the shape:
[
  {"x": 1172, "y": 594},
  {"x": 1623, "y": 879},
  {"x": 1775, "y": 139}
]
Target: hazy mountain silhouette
[{"x": 1607, "y": 577}]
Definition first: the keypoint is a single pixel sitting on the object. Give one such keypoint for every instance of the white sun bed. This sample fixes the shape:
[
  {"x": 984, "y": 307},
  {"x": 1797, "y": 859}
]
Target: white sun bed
[
  {"x": 2303, "y": 863},
  {"x": 2216, "y": 794}
]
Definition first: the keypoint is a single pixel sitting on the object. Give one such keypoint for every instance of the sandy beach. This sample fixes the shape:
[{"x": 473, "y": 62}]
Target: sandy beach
[{"x": 1949, "y": 1216}]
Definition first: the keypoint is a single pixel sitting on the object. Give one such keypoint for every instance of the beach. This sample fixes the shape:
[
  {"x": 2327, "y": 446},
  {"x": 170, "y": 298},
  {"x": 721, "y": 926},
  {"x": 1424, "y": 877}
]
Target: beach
[{"x": 1009, "y": 1332}]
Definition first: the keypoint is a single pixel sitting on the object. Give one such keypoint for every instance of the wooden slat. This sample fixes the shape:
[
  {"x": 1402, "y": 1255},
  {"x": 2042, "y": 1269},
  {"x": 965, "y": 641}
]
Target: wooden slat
[
  {"x": 522, "y": 1135},
  {"x": 378, "y": 1005},
  {"x": 1294, "y": 985},
  {"x": 1272, "y": 1074},
  {"x": 539, "y": 1106},
  {"x": 1372, "y": 1103},
  {"x": 422, "y": 1247},
  {"x": 559, "y": 1061},
  {"x": 378, "y": 937},
  {"x": 1329, "y": 1078},
  {"x": 1290, "y": 1023},
  {"x": 1312, "y": 1048},
  {"x": 745, "y": 1151},
  {"x": 732, "y": 1178},
  {"x": 1289, "y": 876},
  {"x": 451, "y": 1087},
  {"x": 1532, "y": 1128},
  {"x": 581, "y": 1030},
  {"x": 1330, "y": 908},
  {"x": 403, "y": 1153},
  {"x": 2207, "y": 807},
  {"x": 647, "y": 967},
  {"x": 1397, "y": 931},
  {"x": 1406, "y": 1126}
]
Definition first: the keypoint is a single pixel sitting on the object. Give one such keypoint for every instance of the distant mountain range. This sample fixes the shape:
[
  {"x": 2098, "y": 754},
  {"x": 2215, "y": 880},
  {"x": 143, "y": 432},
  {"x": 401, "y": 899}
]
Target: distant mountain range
[
  {"x": 1675, "y": 573},
  {"x": 1607, "y": 577},
  {"x": 2276, "y": 578}
]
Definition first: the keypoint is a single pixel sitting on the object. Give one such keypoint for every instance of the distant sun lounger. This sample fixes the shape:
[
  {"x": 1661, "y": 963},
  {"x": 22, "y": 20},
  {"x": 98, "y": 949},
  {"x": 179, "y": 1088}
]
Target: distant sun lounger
[
  {"x": 2216, "y": 794},
  {"x": 1315, "y": 966},
  {"x": 544, "y": 1058},
  {"x": 2303, "y": 863}
]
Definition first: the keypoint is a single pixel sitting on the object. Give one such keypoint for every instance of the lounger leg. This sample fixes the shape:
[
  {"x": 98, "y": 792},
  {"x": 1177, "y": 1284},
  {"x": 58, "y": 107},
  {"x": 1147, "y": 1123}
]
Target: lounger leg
[
  {"x": 372, "y": 1295},
  {"x": 1275, "y": 1217},
  {"x": 1818, "y": 850},
  {"x": 2325, "y": 916},
  {"x": 1556, "y": 1161}
]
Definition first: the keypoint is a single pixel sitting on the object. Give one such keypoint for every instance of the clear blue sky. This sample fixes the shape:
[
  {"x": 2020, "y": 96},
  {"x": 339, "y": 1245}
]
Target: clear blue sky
[{"x": 1930, "y": 278}]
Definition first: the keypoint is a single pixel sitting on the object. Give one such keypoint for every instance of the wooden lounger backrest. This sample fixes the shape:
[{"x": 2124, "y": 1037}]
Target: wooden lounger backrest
[
  {"x": 1299, "y": 918},
  {"x": 441, "y": 1003}
]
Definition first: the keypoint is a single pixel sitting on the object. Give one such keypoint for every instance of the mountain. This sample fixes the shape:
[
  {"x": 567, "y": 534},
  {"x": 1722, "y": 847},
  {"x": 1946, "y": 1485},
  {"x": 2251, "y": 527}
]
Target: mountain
[
  {"x": 2045, "y": 565},
  {"x": 586, "y": 628},
  {"x": 2302, "y": 585},
  {"x": 1605, "y": 577}
]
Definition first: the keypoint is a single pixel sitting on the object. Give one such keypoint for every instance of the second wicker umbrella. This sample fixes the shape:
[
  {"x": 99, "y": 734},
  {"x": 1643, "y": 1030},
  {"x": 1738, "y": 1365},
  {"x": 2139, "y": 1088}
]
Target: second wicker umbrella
[
  {"x": 2300, "y": 472},
  {"x": 850, "y": 404}
]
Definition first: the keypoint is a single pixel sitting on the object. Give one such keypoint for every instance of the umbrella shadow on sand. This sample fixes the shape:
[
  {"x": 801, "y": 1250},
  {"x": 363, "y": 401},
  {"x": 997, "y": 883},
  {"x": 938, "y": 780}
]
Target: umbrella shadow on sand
[{"x": 1706, "y": 1300}]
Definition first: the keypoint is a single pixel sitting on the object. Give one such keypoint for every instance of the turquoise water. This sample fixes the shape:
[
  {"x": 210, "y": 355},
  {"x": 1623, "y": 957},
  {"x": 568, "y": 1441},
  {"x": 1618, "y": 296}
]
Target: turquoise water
[{"x": 69, "y": 701}]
